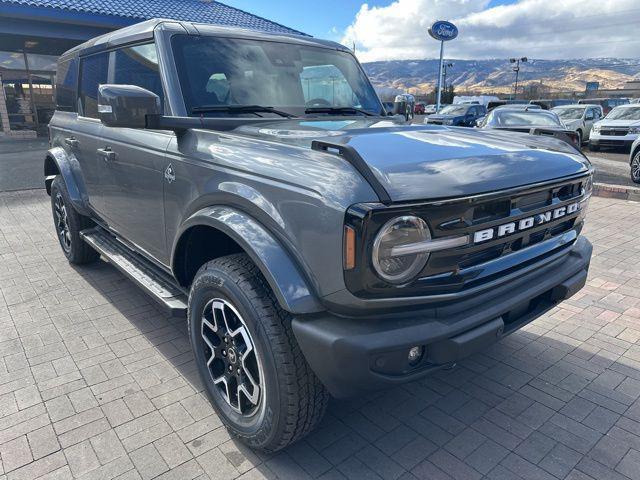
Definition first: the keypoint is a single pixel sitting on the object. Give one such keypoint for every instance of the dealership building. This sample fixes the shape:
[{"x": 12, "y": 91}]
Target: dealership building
[{"x": 33, "y": 33}]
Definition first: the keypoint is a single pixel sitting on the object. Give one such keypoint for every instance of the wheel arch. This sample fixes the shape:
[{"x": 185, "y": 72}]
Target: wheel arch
[
  {"x": 216, "y": 231},
  {"x": 57, "y": 162}
]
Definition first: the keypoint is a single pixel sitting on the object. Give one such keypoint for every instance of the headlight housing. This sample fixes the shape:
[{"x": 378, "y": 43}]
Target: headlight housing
[
  {"x": 447, "y": 122},
  {"x": 634, "y": 130},
  {"x": 394, "y": 267},
  {"x": 596, "y": 128}
]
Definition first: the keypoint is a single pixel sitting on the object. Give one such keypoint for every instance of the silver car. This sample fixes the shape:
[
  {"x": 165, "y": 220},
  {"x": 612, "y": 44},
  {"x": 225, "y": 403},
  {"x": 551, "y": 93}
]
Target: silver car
[{"x": 579, "y": 118}]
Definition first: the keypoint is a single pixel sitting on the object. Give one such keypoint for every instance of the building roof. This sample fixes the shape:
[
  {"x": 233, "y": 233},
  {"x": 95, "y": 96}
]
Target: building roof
[{"x": 202, "y": 11}]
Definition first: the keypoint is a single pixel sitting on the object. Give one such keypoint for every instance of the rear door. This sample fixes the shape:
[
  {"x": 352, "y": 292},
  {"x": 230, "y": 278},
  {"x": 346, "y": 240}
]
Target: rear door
[
  {"x": 83, "y": 141},
  {"x": 135, "y": 170}
]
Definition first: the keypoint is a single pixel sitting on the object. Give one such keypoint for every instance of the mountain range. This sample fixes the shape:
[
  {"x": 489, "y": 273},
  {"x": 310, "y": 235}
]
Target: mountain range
[{"x": 497, "y": 75}]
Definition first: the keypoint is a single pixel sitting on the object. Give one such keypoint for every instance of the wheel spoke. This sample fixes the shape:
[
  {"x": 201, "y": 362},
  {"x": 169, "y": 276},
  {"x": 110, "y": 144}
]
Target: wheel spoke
[
  {"x": 231, "y": 357},
  {"x": 62, "y": 222},
  {"x": 635, "y": 167}
]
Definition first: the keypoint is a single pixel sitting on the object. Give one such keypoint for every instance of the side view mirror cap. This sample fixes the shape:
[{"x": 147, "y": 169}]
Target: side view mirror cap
[{"x": 126, "y": 106}]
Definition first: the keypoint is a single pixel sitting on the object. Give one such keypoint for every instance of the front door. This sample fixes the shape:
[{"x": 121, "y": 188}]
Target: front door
[
  {"x": 135, "y": 158},
  {"x": 135, "y": 164}
]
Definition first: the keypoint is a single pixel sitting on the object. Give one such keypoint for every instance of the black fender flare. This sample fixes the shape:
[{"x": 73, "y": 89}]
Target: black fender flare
[
  {"x": 283, "y": 274},
  {"x": 68, "y": 168}
]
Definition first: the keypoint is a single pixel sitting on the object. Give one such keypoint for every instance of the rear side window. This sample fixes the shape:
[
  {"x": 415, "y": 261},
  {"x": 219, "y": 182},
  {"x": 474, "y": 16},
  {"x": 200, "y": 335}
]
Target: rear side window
[
  {"x": 67, "y": 85},
  {"x": 137, "y": 65},
  {"x": 93, "y": 72}
]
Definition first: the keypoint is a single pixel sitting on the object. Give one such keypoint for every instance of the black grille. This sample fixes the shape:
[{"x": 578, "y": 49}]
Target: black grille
[
  {"x": 495, "y": 212},
  {"x": 615, "y": 132},
  {"x": 456, "y": 269}
]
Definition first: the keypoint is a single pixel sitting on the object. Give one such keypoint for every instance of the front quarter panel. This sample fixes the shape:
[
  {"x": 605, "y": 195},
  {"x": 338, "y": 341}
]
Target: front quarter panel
[
  {"x": 282, "y": 274},
  {"x": 298, "y": 195}
]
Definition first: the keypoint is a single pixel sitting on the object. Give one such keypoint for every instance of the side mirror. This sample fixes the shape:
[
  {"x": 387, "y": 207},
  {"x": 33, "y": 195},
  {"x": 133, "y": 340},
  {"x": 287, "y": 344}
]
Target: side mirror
[{"x": 126, "y": 106}]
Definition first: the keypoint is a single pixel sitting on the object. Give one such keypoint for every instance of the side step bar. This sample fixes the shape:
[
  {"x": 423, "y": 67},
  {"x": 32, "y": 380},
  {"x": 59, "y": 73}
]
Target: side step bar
[{"x": 141, "y": 271}]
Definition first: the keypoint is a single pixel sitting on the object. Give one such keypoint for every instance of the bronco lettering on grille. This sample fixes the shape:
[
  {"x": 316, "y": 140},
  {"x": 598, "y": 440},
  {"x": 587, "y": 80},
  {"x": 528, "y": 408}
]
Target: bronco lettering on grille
[{"x": 525, "y": 223}]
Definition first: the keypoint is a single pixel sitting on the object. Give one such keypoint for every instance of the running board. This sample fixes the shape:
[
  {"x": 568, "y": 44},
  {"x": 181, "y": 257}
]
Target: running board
[{"x": 141, "y": 271}]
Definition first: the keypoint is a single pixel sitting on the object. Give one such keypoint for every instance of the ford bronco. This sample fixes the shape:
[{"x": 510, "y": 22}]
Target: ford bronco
[{"x": 317, "y": 246}]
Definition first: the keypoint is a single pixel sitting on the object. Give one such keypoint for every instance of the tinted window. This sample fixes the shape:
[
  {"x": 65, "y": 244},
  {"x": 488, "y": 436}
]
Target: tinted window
[
  {"x": 93, "y": 73},
  {"x": 67, "y": 85},
  {"x": 455, "y": 110},
  {"x": 137, "y": 66}
]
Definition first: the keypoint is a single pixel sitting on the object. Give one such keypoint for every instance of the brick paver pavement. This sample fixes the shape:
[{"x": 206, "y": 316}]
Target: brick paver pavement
[{"x": 96, "y": 382}]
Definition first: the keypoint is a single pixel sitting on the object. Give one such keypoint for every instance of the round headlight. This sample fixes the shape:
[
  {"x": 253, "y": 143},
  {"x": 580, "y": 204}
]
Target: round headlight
[{"x": 391, "y": 266}]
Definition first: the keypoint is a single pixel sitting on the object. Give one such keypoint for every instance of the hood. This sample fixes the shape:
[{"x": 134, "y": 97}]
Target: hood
[
  {"x": 618, "y": 123},
  {"x": 416, "y": 162}
]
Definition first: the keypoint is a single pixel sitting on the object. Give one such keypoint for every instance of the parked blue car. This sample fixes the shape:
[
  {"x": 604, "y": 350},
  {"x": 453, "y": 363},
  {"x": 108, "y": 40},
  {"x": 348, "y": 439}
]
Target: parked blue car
[{"x": 463, "y": 115}]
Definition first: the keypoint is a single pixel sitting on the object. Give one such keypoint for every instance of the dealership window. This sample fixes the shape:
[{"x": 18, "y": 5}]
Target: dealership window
[
  {"x": 138, "y": 66},
  {"x": 93, "y": 72},
  {"x": 27, "y": 81}
]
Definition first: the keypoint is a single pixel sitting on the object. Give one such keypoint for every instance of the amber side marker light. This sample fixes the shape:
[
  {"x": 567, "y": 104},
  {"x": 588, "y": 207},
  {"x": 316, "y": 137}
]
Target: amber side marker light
[{"x": 349, "y": 248}]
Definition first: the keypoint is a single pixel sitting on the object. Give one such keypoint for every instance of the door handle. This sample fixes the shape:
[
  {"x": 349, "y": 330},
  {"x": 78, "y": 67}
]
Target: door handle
[
  {"x": 72, "y": 141},
  {"x": 107, "y": 154}
]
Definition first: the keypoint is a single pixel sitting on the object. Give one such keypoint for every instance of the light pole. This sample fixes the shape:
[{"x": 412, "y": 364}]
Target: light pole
[
  {"x": 517, "y": 70},
  {"x": 444, "y": 75},
  {"x": 442, "y": 31}
]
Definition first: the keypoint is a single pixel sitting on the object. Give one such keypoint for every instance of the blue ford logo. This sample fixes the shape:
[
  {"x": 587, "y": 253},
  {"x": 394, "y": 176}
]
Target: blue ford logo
[{"x": 443, "y": 31}]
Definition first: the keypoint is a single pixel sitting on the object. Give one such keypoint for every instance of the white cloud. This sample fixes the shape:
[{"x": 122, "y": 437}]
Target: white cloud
[{"x": 533, "y": 28}]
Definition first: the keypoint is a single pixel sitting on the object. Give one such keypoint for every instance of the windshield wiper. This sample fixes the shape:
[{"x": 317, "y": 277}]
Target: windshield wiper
[
  {"x": 240, "y": 109},
  {"x": 338, "y": 110}
]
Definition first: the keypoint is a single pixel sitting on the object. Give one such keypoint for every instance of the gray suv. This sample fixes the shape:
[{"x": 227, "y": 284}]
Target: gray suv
[{"x": 252, "y": 183}]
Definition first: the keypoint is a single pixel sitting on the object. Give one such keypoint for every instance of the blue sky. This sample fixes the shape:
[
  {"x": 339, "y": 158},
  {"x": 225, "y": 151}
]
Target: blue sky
[
  {"x": 320, "y": 18},
  {"x": 397, "y": 29}
]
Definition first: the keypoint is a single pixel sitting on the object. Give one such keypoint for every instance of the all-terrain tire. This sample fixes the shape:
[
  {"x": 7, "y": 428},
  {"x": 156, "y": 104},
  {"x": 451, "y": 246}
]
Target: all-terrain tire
[
  {"x": 74, "y": 248},
  {"x": 293, "y": 400}
]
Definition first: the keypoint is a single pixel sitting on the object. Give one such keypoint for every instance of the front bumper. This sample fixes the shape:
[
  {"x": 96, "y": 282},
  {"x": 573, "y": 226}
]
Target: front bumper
[
  {"x": 598, "y": 140},
  {"x": 354, "y": 355}
]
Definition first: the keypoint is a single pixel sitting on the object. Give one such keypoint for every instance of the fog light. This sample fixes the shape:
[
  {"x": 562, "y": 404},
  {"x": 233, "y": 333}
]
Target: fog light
[{"x": 415, "y": 355}]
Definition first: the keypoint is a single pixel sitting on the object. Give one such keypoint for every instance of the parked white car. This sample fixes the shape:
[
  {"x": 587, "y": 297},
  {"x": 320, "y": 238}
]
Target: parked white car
[
  {"x": 620, "y": 128},
  {"x": 579, "y": 118}
]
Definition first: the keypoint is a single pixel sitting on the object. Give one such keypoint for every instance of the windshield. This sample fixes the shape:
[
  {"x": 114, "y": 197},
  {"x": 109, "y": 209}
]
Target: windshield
[
  {"x": 624, "y": 113},
  {"x": 218, "y": 72},
  {"x": 514, "y": 118},
  {"x": 454, "y": 110},
  {"x": 574, "y": 113}
]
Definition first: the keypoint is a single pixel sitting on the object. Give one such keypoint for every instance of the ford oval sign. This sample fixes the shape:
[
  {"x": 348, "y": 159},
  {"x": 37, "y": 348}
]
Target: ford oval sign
[{"x": 443, "y": 31}]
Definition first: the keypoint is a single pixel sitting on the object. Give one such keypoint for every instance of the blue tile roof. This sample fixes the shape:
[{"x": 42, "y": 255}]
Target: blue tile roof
[{"x": 202, "y": 11}]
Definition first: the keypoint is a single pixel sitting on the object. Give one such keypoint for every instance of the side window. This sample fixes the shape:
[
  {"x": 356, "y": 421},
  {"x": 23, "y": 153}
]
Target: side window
[
  {"x": 93, "y": 72},
  {"x": 67, "y": 85},
  {"x": 137, "y": 66}
]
